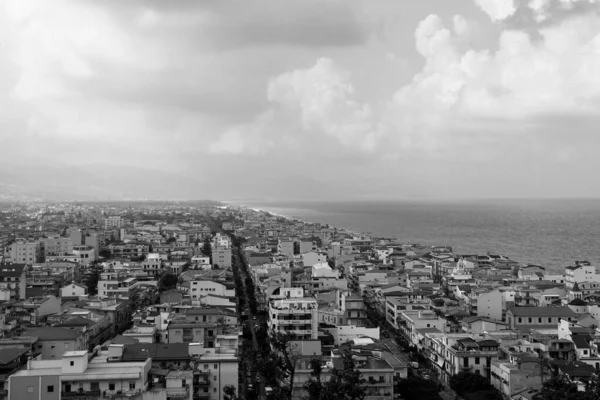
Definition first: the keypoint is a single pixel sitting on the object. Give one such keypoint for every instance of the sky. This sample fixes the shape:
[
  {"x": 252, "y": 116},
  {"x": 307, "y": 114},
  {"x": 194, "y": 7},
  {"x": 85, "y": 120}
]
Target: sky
[{"x": 301, "y": 99}]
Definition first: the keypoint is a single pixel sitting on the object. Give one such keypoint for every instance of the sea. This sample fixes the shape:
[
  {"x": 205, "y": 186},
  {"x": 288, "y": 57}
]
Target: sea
[{"x": 551, "y": 233}]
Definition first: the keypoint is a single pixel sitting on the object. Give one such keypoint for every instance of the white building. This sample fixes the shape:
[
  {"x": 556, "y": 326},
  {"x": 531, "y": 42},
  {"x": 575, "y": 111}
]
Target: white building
[
  {"x": 581, "y": 272},
  {"x": 203, "y": 287},
  {"x": 86, "y": 254},
  {"x": 113, "y": 221},
  {"x": 22, "y": 251},
  {"x": 290, "y": 311},
  {"x": 74, "y": 373},
  {"x": 312, "y": 258},
  {"x": 73, "y": 290},
  {"x": 323, "y": 270}
]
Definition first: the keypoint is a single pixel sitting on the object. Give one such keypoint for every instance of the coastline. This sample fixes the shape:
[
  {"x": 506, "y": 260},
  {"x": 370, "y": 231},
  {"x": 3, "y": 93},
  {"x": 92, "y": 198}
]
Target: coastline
[{"x": 552, "y": 237}]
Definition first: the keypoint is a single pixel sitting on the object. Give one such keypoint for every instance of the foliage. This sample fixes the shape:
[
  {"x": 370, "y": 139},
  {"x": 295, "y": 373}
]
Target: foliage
[
  {"x": 474, "y": 386},
  {"x": 345, "y": 383},
  {"x": 167, "y": 281},
  {"x": 171, "y": 240},
  {"x": 104, "y": 253},
  {"x": 229, "y": 393},
  {"x": 417, "y": 388},
  {"x": 91, "y": 278},
  {"x": 560, "y": 388},
  {"x": 207, "y": 248}
]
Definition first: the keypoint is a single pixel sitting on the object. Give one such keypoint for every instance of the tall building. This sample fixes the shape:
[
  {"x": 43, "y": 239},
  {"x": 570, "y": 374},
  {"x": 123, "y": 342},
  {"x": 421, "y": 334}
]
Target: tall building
[
  {"x": 221, "y": 256},
  {"x": 113, "y": 221},
  {"x": 290, "y": 311},
  {"x": 93, "y": 240},
  {"x": 22, "y": 251},
  {"x": 55, "y": 246}
]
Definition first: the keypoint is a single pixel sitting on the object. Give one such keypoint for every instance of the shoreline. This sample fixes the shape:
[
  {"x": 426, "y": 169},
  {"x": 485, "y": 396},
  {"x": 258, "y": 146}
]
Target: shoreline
[{"x": 420, "y": 243}]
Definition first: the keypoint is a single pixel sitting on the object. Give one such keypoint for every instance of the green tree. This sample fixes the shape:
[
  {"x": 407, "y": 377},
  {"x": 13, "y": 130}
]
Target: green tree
[
  {"x": 207, "y": 248},
  {"x": 285, "y": 356},
  {"x": 171, "y": 240}
]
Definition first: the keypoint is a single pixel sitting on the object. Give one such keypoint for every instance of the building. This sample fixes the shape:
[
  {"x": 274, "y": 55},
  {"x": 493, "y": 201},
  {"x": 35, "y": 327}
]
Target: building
[
  {"x": 113, "y": 221},
  {"x": 55, "y": 246},
  {"x": 525, "y": 318},
  {"x": 468, "y": 355},
  {"x": 582, "y": 271},
  {"x": 73, "y": 290},
  {"x": 286, "y": 247},
  {"x": 77, "y": 375},
  {"x": 53, "y": 342},
  {"x": 11, "y": 360},
  {"x": 312, "y": 258},
  {"x": 86, "y": 254},
  {"x": 117, "y": 284},
  {"x": 200, "y": 288},
  {"x": 290, "y": 311},
  {"x": 13, "y": 281},
  {"x": 221, "y": 257},
  {"x": 22, "y": 251},
  {"x": 377, "y": 374}
]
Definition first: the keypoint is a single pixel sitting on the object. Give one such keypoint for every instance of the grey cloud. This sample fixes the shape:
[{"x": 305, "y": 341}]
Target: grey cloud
[{"x": 556, "y": 12}]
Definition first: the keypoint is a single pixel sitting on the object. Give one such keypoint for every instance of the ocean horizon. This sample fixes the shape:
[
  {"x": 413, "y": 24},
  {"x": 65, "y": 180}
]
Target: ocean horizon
[{"x": 552, "y": 233}]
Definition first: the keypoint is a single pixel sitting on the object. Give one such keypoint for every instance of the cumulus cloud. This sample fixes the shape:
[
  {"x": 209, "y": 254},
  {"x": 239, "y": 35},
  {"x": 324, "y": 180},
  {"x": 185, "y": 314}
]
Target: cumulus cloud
[
  {"x": 497, "y": 10},
  {"x": 521, "y": 79},
  {"x": 246, "y": 139},
  {"x": 323, "y": 97}
]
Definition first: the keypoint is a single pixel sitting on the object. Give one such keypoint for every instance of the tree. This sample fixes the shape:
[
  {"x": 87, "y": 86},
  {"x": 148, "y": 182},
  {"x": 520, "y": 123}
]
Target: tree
[
  {"x": 104, "y": 253},
  {"x": 229, "y": 393},
  {"x": 560, "y": 388},
  {"x": 285, "y": 355},
  {"x": 417, "y": 388},
  {"x": 171, "y": 240},
  {"x": 345, "y": 383},
  {"x": 474, "y": 386},
  {"x": 167, "y": 281},
  {"x": 207, "y": 248},
  {"x": 91, "y": 278}
]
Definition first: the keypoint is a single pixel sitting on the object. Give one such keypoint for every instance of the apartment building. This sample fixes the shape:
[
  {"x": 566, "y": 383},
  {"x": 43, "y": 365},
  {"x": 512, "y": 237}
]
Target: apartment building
[
  {"x": 13, "y": 281},
  {"x": 221, "y": 257},
  {"x": 55, "y": 246},
  {"x": 113, "y": 221},
  {"x": 22, "y": 251},
  {"x": 199, "y": 288},
  {"x": 192, "y": 332},
  {"x": 469, "y": 355},
  {"x": 86, "y": 254},
  {"x": 285, "y": 247},
  {"x": 525, "y": 318},
  {"x": 582, "y": 271},
  {"x": 377, "y": 374},
  {"x": 290, "y": 311},
  {"x": 117, "y": 284},
  {"x": 77, "y": 375},
  {"x": 410, "y": 322}
]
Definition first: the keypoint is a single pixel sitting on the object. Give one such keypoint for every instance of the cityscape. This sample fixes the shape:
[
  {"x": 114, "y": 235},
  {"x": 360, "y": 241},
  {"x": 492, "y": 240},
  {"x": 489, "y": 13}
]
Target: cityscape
[
  {"x": 206, "y": 300},
  {"x": 299, "y": 200}
]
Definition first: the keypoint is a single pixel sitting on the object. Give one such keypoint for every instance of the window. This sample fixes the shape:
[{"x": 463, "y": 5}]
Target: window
[
  {"x": 215, "y": 390},
  {"x": 50, "y": 389},
  {"x": 520, "y": 319},
  {"x": 205, "y": 366},
  {"x": 111, "y": 386},
  {"x": 29, "y": 389},
  {"x": 477, "y": 360},
  {"x": 52, "y": 346},
  {"x": 549, "y": 319},
  {"x": 540, "y": 320},
  {"x": 71, "y": 363},
  {"x": 215, "y": 367},
  {"x": 131, "y": 385}
]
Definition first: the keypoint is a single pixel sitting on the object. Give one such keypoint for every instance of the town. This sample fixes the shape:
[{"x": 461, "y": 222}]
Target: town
[{"x": 204, "y": 300}]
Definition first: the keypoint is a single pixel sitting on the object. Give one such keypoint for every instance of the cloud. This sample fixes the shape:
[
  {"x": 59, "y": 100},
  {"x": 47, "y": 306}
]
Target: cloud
[
  {"x": 497, "y": 10},
  {"x": 521, "y": 79},
  {"x": 323, "y": 96},
  {"x": 247, "y": 139}
]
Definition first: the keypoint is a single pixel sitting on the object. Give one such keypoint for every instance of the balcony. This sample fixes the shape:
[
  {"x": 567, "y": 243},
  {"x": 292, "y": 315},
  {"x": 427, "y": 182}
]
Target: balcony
[
  {"x": 202, "y": 383},
  {"x": 178, "y": 393},
  {"x": 80, "y": 394}
]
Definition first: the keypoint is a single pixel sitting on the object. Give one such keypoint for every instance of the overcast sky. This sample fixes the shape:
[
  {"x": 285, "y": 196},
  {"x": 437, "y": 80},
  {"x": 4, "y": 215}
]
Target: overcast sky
[{"x": 309, "y": 98}]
